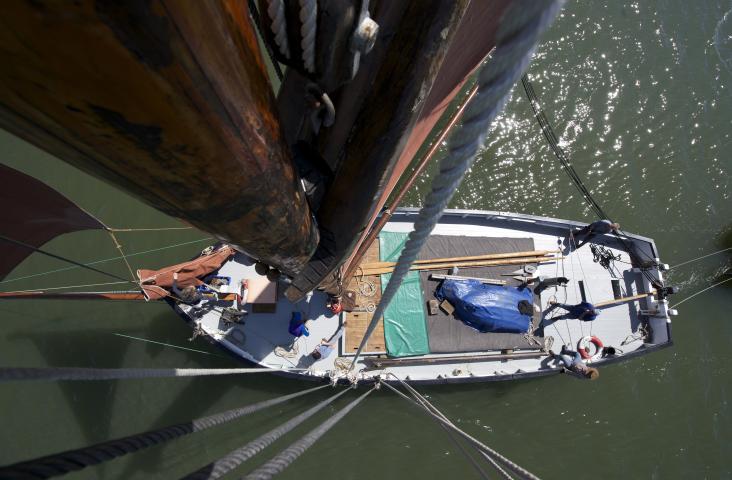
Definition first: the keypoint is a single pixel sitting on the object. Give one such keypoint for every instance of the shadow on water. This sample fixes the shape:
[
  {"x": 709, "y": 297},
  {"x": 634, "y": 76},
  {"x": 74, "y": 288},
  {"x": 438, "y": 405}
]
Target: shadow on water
[{"x": 92, "y": 348}]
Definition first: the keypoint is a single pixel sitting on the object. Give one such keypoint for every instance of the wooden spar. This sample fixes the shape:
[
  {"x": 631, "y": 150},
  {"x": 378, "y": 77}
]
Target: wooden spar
[
  {"x": 377, "y": 111},
  {"x": 386, "y": 215},
  {"x": 620, "y": 300},
  {"x": 136, "y": 296},
  {"x": 167, "y": 100},
  {"x": 473, "y": 264},
  {"x": 490, "y": 256},
  {"x": 120, "y": 296},
  {"x": 392, "y": 362},
  {"x": 489, "y": 281}
]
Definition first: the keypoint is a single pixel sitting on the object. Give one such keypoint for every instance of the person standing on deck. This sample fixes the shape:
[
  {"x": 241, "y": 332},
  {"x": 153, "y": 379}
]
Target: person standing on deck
[
  {"x": 584, "y": 311},
  {"x": 600, "y": 227},
  {"x": 573, "y": 362},
  {"x": 326, "y": 346}
]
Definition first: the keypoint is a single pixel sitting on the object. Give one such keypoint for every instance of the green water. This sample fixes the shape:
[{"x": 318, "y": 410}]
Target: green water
[{"x": 639, "y": 94}]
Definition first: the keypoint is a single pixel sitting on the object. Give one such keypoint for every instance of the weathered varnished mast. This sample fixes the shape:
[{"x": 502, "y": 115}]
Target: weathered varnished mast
[{"x": 168, "y": 100}]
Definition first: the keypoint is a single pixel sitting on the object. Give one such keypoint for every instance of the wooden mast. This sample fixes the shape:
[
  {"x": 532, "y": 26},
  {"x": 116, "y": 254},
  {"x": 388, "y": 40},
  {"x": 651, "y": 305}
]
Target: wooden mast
[
  {"x": 376, "y": 112},
  {"x": 167, "y": 100}
]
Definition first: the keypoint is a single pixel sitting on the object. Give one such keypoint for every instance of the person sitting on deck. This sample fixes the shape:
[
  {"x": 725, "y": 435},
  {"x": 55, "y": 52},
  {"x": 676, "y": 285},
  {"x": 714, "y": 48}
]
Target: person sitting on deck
[
  {"x": 600, "y": 227},
  {"x": 584, "y": 311},
  {"x": 188, "y": 295},
  {"x": 573, "y": 362},
  {"x": 327, "y": 346}
]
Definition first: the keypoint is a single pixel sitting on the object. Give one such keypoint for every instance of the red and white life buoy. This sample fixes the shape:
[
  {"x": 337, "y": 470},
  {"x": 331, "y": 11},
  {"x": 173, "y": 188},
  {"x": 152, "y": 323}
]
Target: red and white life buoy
[{"x": 583, "y": 347}]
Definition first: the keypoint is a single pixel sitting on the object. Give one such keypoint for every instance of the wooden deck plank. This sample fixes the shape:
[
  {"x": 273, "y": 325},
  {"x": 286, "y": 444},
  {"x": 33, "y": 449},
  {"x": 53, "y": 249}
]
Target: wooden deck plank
[{"x": 359, "y": 321}]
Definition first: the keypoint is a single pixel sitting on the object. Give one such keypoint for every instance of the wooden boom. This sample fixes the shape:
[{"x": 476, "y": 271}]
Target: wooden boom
[{"x": 134, "y": 296}]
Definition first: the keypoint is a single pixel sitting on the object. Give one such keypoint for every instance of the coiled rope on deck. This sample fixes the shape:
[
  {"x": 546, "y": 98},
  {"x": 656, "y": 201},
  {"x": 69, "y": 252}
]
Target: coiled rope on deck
[
  {"x": 233, "y": 459},
  {"x": 283, "y": 460},
  {"x": 11, "y": 374},
  {"x": 73, "y": 460},
  {"x": 521, "y": 27}
]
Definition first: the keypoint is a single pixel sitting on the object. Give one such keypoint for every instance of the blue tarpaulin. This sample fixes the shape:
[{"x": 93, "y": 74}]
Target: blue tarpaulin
[{"x": 487, "y": 308}]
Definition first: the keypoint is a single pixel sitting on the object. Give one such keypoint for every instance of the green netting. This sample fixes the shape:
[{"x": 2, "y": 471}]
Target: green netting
[{"x": 405, "y": 329}]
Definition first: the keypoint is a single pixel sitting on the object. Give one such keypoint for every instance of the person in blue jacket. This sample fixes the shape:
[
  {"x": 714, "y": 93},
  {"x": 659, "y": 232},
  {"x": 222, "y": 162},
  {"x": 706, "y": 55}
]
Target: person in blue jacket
[
  {"x": 584, "y": 311},
  {"x": 299, "y": 327},
  {"x": 600, "y": 227}
]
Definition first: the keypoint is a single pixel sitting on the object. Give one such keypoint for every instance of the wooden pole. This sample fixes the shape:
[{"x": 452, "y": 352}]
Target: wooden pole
[
  {"x": 167, "y": 100},
  {"x": 491, "y": 256},
  {"x": 474, "y": 264},
  {"x": 135, "y": 296},
  {"x": 618, "y": 301},
  {"x": 392, "y": 362}
]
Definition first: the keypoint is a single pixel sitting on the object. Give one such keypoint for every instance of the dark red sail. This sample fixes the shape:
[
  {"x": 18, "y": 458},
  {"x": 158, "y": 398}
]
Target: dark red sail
[{"x": 34, "y": 213}]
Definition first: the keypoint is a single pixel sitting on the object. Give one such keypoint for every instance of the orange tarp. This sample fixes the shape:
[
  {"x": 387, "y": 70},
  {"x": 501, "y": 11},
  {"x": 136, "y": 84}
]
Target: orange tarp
[{"x": 157, "y": 283}]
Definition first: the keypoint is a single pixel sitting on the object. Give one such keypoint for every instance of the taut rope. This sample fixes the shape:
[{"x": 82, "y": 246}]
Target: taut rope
[{"x": 74, "y": 460}]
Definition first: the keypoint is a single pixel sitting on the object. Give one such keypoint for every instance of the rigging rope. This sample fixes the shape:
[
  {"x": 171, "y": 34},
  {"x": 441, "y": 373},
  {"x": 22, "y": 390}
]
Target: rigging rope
[
  {"x": 256, "y": 19},
  {"x": 283, "y": 460},
  {"x": 551, "y": 138},
  {"x": 96, "y": 262},
  {"x": 122, "y": 253},
  {"x": 160, "y": 229},
  {"x": 74, "y": 460},
  {"x": 10, "y": 374},
  {"x": 233, "y": 459},
  {"x": 427, "y": 405},
  {"x": 514, "y": 467},
  {"x": 700, "y": 292},
  {"x": 514, "y": 47},
  {"x": 699, "y": 258},
  {"x": 57, "y": 257},
  {"x": 147, "y": 340}
]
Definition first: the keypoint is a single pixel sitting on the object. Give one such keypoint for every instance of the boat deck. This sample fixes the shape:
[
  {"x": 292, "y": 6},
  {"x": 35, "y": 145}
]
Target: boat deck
[{"x": 264, "y": 338}]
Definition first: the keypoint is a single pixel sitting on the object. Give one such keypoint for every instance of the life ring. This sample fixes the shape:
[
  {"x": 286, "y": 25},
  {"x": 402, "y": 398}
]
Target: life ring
[{"x": 583, "y": 347}]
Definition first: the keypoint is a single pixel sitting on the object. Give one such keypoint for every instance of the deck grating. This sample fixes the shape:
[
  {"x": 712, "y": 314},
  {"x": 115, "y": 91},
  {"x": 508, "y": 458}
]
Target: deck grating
[{"x": 358, "y": 321}]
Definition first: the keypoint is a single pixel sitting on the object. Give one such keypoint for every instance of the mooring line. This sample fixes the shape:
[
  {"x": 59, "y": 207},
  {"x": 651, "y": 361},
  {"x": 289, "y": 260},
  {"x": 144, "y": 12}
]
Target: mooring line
[{"x": 147, "y": 340}]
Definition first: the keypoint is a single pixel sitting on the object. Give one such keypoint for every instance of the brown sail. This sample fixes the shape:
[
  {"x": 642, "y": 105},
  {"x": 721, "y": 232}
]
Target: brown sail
[
  {"x": 33, "y": 214},
  {"x": 155, "y": 284}
]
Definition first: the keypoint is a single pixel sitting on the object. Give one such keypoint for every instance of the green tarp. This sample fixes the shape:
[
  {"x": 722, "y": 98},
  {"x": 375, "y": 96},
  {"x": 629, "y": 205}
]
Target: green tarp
[{"x": 405, "y": 328}]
